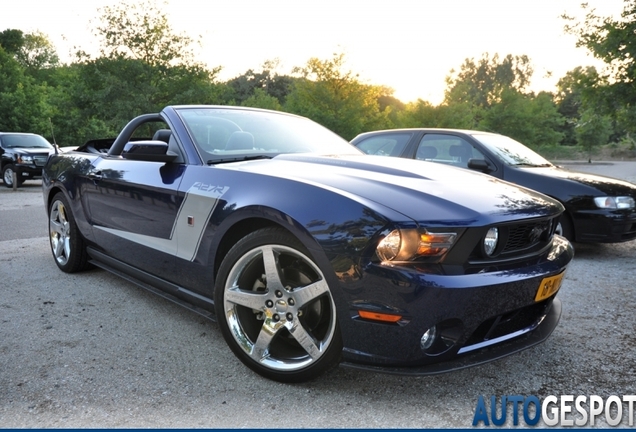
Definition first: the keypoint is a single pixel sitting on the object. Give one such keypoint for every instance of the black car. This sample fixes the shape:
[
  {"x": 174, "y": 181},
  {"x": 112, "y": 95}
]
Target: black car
[
  {"x": 24, "y": 155},
  {"x": 597, "y": 208},
  {"x": 307, "y": 252}
]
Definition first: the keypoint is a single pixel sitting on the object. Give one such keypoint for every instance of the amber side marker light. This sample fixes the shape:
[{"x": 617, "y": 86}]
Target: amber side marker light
[{"x": 376, "y": 316}]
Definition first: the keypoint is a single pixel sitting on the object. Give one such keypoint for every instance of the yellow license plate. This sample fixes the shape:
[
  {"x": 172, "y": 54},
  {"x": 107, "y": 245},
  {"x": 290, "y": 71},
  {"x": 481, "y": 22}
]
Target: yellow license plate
[{"x": 549, "y": 286}]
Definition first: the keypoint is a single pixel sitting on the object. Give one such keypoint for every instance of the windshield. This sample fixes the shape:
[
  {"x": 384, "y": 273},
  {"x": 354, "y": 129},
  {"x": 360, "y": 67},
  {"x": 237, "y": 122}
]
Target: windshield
[
  {"x": 24, "y": 141},
  {"x": 510, "y": 151},
  {"x": 223, "y": 134}
]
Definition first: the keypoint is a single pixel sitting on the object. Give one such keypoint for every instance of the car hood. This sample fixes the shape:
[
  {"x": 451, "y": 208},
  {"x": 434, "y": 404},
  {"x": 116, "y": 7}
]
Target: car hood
[
  {"x": 423, "y": 191},
  {"x": 589, "y": 184}
]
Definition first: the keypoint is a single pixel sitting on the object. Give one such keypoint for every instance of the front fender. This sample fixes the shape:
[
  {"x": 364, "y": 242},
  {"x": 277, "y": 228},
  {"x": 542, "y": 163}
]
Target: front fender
[{"x": 63, "y": 173}]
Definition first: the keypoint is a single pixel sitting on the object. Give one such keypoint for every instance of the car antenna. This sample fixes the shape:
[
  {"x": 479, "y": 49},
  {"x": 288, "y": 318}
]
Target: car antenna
[{"x": 53, "y": 135}]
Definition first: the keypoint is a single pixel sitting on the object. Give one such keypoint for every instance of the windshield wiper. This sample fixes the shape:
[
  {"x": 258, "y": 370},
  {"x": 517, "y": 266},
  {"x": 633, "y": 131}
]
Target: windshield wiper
[{"x": 237, "y": 159}]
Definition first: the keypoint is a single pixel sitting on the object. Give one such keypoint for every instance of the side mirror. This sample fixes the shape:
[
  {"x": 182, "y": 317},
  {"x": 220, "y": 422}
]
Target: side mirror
[
  {"x": 481, "y": 165},
  {"x": 150, "y": 150}
]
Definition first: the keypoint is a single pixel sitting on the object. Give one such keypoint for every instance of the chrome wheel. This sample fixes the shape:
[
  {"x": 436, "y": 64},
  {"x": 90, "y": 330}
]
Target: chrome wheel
[
  {"x": 7, "y": 176},
  {"x": 67, "y": 243},
  {"x": 564, "y": 228},
  {"x": 277, "y": 310},
  {"x": 59, "y": 233}
]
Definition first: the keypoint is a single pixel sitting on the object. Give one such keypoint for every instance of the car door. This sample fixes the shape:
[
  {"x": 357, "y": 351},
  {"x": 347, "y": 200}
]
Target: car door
[
  {"x": 132, "y": 207},
  {"x": 454, "y": 150}
]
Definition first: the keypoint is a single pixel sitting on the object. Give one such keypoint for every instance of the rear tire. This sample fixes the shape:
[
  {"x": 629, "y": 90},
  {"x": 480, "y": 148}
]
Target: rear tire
[
  {"x": 275, "y": 308},
  {"x": 67, "y": 244}
]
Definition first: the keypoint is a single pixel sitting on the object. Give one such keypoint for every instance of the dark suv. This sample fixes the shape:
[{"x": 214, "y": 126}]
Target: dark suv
[{"x": 24, "y": 154}]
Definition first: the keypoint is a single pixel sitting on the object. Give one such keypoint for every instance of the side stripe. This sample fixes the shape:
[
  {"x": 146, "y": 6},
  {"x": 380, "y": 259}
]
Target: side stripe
[{"x": 199, "y": 203}]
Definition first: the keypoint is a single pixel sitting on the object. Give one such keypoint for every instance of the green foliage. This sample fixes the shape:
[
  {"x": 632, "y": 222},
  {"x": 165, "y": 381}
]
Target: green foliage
[
  {"x": 530, "y": 120},
  {"x": 11, "y": 40},
  {"x": 268, "y": 81},
  {"x": 37, "y": 52},
  {"x": 424, "y": 114},
  {"x": 140, "y": 30},
  {"x": 482, "y": 82},
  {"x": 593, "y": 130},
  {"x": 23, "y": 102},
  {"x": 560, "y": 152},
  {"x": 614, "y": 42},
  {"x": 33, "y": 51},
  {"x": 144, "y": 67},
  {"x": 260, "y": 99},
  {"x": 490, "y": 94},
  {"x": 336, "y": 98},
  {"x": 576, "y": 92}
]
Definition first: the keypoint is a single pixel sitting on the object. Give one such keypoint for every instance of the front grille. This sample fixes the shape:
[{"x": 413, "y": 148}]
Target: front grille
[
  {"x": 40, "y": 160},
  {"x": 517, "y": 240},
  {"x": 525, "y": 236},
  {"x": 508, "y": 324}
]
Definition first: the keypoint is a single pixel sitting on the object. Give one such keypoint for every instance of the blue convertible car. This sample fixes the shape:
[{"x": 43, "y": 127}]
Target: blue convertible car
[{"x": 308, "y": 253}]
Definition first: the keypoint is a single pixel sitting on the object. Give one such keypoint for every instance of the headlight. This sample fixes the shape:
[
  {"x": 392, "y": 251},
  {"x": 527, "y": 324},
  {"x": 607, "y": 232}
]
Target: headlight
[
  {"x": 407, "y": 244},
  {"x": 490, "y": 241},
  {"x": 25, "y": 159},
  {"x": 389, "y": 247},
  {"x": 620, "y": 202}
]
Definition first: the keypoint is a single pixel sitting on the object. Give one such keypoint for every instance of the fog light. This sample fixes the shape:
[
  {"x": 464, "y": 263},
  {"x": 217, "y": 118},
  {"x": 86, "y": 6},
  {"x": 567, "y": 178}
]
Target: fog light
[
  {"x": 428, "y": 338},
  {"x": 490, "y": 241}
]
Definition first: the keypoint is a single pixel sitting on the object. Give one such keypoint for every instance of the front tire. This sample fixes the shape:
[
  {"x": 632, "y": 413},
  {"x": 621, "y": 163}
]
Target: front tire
[
  {"x": 565, "y": 228},
  {"x": 67, "y": 244},
  {"x": 275, "y": 308},
  {"x": 7, "y": 176}
]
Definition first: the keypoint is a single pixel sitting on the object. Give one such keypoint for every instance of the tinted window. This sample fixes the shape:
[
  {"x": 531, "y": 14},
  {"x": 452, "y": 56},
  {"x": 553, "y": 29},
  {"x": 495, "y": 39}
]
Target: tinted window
[
  {"x": 385, "y": 144},
  {"x": 24, "y": 141},
  {"x": 448, "y": 149}
]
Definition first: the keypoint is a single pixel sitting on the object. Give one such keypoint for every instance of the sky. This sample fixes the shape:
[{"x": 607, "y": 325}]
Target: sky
[{"x": 408, "y": 45}]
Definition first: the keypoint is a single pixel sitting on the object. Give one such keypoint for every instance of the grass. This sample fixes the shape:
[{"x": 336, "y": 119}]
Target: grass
[{"x": 609, "y": 152}]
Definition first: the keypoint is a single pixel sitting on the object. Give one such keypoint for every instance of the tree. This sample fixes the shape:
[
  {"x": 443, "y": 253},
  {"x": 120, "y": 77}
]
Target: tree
[
  {"x": 140, "y": 30},
  {"x": 336, "y": 98},
  {"x": 423, "y": 114},
  {"x": 260, "y": 99},
  {"x": 33, "y": 51},
  {"x": 11, "y": 40},
  {"x": 23, "y": 102},
  {"x": 75, "y": 109},
  {"x": 533, "y": 121},
  {"x": 592, "y": 130},
  {"x": 143, "y": 67},
  {"x": 482, "y": 82},
  {"x": 495, "y": 93},
  {"x": 268, "y": 81},
  {"x": 614, "y": 42},
  {"x": 37, "y": 52},
  {"x": 576, "y": 92},
  {"x": 156, "y": 61}
]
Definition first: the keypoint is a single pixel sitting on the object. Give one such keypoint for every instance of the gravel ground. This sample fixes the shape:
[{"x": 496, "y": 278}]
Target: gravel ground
[{"x": 92, "y": 350}]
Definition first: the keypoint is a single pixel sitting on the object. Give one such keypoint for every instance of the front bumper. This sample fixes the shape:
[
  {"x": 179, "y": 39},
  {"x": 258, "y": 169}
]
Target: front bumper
[
  {"x": 478, "y": 317},
  {"x": 605, "y": 226},
  {"x": 28, "y": 171},
  {"x": 477, "y": 357}
]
